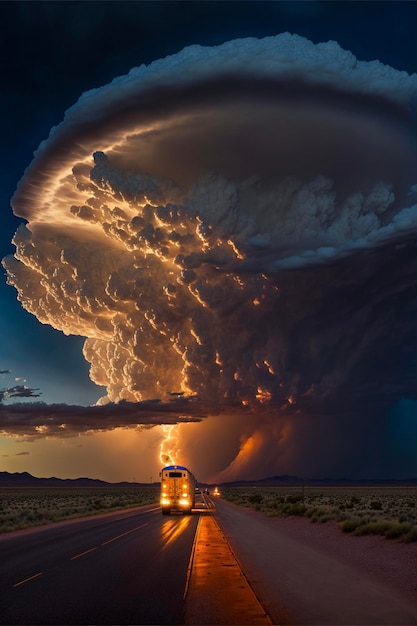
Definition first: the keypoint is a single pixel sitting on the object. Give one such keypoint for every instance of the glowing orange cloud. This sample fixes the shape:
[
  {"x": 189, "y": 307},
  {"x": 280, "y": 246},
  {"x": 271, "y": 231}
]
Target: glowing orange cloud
[{"x": 211, "y": 224}]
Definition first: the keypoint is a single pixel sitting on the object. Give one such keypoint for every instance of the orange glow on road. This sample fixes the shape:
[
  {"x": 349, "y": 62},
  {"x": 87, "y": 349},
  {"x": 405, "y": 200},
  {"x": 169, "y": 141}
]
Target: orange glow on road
[{"x": 172, "y": 529}]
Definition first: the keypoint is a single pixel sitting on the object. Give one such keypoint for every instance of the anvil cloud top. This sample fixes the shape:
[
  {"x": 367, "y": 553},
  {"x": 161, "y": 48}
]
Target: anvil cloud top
[{"x": 236, "y": 224}]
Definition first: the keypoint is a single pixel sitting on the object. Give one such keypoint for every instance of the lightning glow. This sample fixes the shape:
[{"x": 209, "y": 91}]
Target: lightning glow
[{"x": 168, "y": 450}]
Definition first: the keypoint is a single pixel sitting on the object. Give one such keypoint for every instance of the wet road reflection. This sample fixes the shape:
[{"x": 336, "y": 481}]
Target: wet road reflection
[{"x": 173, "y": 528}]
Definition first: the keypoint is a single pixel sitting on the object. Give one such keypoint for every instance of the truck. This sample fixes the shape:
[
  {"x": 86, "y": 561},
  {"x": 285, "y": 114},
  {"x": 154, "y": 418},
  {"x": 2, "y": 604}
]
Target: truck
[{"x": 177, "y": 490}]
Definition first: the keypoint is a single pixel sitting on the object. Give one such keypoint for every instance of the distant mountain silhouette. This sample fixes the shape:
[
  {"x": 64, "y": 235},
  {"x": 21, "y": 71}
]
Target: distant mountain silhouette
[
  {"x": 286, "y": 479},
  {"x": 24, "y": 479}
]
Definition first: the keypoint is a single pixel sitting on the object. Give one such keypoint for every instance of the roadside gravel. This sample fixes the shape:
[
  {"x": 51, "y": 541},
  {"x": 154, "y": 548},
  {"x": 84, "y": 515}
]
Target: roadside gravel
[
  {"x": 393, "y": 562},
  {"x": 306, "y": 573}
]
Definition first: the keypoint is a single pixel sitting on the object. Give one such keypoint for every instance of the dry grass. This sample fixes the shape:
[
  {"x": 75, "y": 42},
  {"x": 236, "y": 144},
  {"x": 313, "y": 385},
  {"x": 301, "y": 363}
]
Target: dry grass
[
  {"x": 22, "y": 507},
  {"x": 390, "y": 511}
]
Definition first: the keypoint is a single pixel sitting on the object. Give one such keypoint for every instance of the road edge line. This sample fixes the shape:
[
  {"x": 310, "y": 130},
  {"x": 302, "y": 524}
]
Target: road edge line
[{"x": 27, "y": 579}]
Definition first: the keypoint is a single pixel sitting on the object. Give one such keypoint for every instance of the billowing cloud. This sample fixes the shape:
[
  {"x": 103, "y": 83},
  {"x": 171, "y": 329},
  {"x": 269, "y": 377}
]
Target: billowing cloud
[{"x": 238, "y": 224}]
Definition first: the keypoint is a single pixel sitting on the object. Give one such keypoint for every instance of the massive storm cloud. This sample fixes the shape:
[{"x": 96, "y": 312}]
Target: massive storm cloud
[{"x": 237, "y": 225}]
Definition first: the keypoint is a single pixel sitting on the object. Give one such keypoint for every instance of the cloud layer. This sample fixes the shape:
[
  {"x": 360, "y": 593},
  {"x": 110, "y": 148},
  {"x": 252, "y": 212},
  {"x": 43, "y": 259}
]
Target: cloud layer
[
  {"x": 237, "y": 224},
  {"x": 37, "y": 420}
]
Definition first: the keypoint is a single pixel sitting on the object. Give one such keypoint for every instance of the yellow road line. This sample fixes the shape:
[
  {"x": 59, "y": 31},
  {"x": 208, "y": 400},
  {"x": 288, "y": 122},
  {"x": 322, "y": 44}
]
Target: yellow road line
[
  {"x": 82, "y": 553},
  {"x": 27, "y": 579},
  {"x": 124, "y": 534}
]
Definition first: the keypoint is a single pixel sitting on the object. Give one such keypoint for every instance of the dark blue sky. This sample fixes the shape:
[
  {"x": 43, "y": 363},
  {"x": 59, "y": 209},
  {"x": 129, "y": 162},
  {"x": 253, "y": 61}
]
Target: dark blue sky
[{"x": 53, "y": 51}]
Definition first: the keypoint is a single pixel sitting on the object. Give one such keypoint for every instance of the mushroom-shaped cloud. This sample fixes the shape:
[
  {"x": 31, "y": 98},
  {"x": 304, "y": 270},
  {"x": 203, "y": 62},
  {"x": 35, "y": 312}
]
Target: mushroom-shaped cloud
[{"x": 237, "y": 223}]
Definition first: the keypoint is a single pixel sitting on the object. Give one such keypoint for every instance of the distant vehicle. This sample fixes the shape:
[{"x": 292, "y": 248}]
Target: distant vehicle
[
  {"x": 216, "y": 491},
  {"x": 177, "y": 489},
  {"x": 197, "y": 490}
]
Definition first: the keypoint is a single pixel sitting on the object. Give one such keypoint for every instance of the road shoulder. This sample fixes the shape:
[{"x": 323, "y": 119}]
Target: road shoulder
[
  {"x": 218, "y": 592},
  {"x": 303, "y": 581}
]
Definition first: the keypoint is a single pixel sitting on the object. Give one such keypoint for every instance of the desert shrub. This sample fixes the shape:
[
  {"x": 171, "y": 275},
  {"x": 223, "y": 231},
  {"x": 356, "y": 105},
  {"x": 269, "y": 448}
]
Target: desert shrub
[
  {"x": 325, "y": 514},
  {"x": 375, "y": 505},
  {"x": 372, "y": 528},
  {"x": 297, "y": 508},
  {"x": 24, "y": 507},
  {"x": 317, "y": 514},
  {"x": 296, "y": 497},
  {"x": 350, "y": 525},
  {"x": 369, "y": 507},
  {"x": 391, "y": 530},
  {"x": 273, "y": 512},
  {"x": 410, "y": 536},
  {"x": 397, "y": 530}
]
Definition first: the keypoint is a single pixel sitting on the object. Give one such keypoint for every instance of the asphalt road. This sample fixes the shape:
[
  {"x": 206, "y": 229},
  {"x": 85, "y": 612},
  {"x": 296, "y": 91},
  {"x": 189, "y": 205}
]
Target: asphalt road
[
  {"x": 133, "y": 567},
  {"x": 124, "y": 568}
]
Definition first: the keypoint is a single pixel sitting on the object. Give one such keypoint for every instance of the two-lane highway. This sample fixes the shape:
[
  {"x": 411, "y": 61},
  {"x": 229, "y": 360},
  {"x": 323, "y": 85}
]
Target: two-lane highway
[
  {"x": 123, "y": 568},
  {"x": 139, "y": 567}
]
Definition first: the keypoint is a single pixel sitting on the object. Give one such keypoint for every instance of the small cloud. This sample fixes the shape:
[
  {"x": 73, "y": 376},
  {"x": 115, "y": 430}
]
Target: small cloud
[
  {"x": 22, "y": 453},
  {"x": 20, "y": 391}
]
